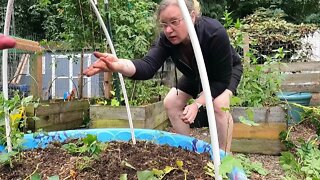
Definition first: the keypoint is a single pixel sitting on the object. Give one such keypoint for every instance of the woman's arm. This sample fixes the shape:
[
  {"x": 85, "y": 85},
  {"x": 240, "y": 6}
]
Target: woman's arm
[
  {"x": 110, "y": 63},
  {"x": 237, "y": 70}
]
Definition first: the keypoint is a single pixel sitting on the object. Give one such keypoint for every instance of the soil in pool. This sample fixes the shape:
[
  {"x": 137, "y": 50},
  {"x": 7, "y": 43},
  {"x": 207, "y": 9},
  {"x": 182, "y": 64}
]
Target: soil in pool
[{"x": 118, "y": 158}]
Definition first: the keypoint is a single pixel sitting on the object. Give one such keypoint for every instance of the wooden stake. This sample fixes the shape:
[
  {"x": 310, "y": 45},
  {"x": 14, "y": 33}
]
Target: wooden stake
[
  {"x": 80, "y": 85},
  {"x": 107, "y": 84},
  {"x": 246, "y": 49}
]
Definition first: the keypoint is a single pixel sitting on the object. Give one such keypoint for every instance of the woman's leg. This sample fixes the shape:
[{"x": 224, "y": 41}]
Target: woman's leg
[
  {"x": 224, "y": 120},
  {"x": 174, "y": 104}
]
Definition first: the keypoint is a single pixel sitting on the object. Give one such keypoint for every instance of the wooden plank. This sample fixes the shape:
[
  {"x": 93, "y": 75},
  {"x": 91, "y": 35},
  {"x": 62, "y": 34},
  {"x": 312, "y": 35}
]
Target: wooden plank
[
  {"x": 74, "y": 105},
  {"x": 259, "y": 146},
  {"x": 269, "y": 131},
  {"x": 34, "y": 87},
  {"x": 155, "y": 120},
  {"x": 246, "y": 44},
  {"x": 115, "y": 123},
  {"x": 302, "y": 78},
  {"x": 300, "y": 66},
  {"x": 315, "y": 100},
  {"x": 63, "y": 126},
  {"x": 163, "y": 126},
  {"x": 27, "y": 45},
  {"x": 314, "y": 88},
  {"x": 72, "y": 116},
  {"x": 56, "y": 119},
  {"x": 264, "y": 114},
  {"x": 107, "y": 84},
  {"x": 46, "y": 121},
  {"x": 155, "y": 115},
  {"x": 38, "y": 72},
  {"x": 108, "y": 112},
  {"x": 60, "y": 107}
]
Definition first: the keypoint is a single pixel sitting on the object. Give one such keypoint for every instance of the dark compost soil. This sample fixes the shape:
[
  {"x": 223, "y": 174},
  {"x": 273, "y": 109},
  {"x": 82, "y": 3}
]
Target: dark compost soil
[{"x": 54, "y": 161}]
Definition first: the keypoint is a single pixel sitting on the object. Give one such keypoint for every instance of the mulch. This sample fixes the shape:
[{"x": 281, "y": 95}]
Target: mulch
[{"x": 118, "y": 158}]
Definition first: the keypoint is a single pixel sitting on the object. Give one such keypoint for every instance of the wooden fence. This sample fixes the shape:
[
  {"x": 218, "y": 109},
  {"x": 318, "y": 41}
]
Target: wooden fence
[{"x": 302, "y": 77}]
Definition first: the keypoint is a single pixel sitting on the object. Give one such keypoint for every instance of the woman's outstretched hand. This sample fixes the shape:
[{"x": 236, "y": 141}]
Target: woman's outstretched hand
[
  {"x": 106, "y": 63},
  {"x": 6, "y": 42}
]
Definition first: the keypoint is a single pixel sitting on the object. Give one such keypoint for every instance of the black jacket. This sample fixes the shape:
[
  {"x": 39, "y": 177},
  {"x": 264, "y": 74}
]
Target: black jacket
[{"x": 222, "y": 63}]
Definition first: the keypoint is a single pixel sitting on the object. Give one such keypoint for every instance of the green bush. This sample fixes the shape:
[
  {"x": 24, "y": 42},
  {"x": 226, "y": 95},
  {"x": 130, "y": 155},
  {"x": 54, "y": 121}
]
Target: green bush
[
  {"x": 268, "y": 31},
  {"x": 133, "y": 27}
]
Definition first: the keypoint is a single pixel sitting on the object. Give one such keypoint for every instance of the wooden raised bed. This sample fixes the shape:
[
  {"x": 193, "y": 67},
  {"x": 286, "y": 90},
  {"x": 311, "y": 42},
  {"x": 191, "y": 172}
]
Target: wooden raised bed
[
  {"x": 55, "y": 116},
  {"x": 152, "y": 116},
  {"x": 262, "y": 139}
]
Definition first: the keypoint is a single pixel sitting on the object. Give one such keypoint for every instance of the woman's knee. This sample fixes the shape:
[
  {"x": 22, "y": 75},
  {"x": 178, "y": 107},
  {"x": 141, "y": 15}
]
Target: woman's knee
[
  {"x": 220, "y": 110},
  {"x": 168, "y": 102},
  {"x": 172, "y": 100}
]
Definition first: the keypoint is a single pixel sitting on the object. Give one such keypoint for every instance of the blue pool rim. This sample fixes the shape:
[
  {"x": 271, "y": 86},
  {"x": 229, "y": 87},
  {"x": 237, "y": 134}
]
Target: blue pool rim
[{"x": 124, "y": 134}]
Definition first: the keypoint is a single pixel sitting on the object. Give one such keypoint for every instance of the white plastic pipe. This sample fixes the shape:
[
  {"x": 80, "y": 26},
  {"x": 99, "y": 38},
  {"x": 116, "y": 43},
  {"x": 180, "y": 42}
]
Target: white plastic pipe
[
  {"x": 104, "y": 28},
  {"x": 5, "y": 73},
  {"x": 205, "y": 85}
]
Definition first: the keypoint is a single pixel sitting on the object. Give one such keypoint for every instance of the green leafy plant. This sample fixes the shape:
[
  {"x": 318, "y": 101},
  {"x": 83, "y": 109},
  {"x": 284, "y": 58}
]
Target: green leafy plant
[
  {"x": 155, "y": 174},
  {"x": 260, "y": 83},
  {"x": 59, "y": 24},
  {"x": 133, "y": 27},
  {"x": 6, "y": 158},
  {"x": 309, "y": 114},
  {"x": 89, "y": 145},
  {"x": 139, "y": 93},
  {"x": 249, "y": 167},
  {"x": 84, "y": 163},
  {"x": 240, "y": 161},
  {"x": 145, "y": 92},
  {"x": 226, "y": 166},
  {"x": 304, "y": 162},
  {"x": 16, "y": 107}
]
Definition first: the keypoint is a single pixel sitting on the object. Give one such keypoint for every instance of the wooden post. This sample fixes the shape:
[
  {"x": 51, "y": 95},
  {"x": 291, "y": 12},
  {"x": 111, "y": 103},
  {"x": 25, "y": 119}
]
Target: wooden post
[
  {"x": 33, "y": 73},
  {"x": 39, "y": 77},
  {"x": 246, "y": 49},
  {"x": 80, "y": 85},
  {"x": 107, "y": 84}
]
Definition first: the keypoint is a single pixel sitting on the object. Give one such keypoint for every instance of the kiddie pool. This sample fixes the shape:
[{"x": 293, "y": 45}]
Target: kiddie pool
[{"x": 124, "y": 134}]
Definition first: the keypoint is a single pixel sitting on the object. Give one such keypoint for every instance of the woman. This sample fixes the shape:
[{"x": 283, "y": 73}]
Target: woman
[{"x": 222, "y": 63}]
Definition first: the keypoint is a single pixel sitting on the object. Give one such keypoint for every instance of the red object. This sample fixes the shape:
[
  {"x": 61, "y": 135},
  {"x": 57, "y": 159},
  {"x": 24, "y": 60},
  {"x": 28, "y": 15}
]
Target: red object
[
  {"x": 6, "y": 42},
  {"x": 72, "y": 95}
]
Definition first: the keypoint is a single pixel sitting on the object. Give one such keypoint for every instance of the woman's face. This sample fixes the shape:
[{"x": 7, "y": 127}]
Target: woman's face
[{"x": 174, "y": 25}]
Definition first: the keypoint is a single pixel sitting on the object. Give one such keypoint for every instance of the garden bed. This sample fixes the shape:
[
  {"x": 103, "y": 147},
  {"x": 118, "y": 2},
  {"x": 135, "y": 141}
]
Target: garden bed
[
  {"x": 151, "y": 116},
  {"x": 58, "y": 115},
  {"x": 263, "y": 138}
]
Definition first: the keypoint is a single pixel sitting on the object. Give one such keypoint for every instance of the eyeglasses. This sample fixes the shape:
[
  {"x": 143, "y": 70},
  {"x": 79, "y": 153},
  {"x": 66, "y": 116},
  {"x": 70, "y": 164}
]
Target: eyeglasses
[{"x": 172, "y": 24}]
